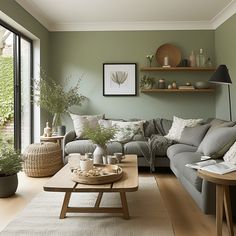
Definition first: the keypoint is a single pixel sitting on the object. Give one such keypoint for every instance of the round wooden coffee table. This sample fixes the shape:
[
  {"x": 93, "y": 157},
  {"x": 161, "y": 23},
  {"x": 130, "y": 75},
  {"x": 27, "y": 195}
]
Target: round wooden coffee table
[{"x": 222, "y": 197}]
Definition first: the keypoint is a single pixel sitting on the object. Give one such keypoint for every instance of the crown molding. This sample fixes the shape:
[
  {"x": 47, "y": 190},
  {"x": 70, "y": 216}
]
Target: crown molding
[
  {"x": 35, "y": 13},
  {"x": 213, "y": 24},
  {"x": 133, "y": 26},
  {"x": 224, "y": 15}
]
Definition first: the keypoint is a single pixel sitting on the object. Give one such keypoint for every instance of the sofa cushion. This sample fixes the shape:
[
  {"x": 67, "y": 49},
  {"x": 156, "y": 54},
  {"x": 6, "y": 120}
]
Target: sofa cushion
[
  {"x": 194, "y": 135},
  {"x": 215, "y": 124},
  {"x": 180, "y": 160},
  {"x": 178, "y": 148},
  {"x": 127, "y": 130},
  {"x": 80, "y": 146},
  {"x": 162, "y": 125},
  {"x": 83, "y": 146},
  {"x": 80, "y": 122},
  {"x": 218, "y": 142},
  {"x": 133, "y": 147},
  {"x": 178, "y": 127}
]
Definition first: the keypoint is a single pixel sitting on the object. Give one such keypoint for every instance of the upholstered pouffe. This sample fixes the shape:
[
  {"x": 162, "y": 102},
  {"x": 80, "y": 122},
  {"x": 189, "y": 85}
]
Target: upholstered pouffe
[{"x": 42, "y": 159}]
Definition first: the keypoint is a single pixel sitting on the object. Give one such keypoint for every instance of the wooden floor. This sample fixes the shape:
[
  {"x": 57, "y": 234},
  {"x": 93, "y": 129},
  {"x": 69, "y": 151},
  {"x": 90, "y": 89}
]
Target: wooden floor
[{"x": 186, "y": 217}]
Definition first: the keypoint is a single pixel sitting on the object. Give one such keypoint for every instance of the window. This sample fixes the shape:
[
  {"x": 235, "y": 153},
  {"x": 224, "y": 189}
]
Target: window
[{"x": 15, "y": 81}]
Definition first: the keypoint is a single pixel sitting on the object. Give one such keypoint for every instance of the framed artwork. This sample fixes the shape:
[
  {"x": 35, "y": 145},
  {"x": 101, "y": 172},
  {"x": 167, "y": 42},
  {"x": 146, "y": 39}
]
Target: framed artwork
[{"x": 119, "y": 79}]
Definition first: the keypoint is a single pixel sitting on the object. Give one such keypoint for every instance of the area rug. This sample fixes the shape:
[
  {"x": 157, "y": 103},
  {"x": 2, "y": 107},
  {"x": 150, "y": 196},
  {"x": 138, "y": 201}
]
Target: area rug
[{"x": 148, "y": 215}]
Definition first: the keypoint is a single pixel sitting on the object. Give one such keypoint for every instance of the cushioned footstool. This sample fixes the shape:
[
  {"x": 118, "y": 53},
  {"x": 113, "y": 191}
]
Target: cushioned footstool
[{"x": 42, "y": 159}]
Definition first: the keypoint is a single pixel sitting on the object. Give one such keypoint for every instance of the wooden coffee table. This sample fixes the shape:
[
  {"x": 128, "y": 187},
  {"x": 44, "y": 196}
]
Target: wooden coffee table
[{"x": 61, "y": 182}]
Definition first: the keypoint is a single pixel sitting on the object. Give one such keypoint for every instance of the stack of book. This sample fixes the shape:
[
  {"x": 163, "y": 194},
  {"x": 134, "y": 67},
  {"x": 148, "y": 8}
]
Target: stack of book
[{"x": 186, "y": 87}]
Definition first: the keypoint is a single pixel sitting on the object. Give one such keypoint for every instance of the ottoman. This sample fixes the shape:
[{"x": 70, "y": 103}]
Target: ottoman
[{"x": 42, "y": 159}]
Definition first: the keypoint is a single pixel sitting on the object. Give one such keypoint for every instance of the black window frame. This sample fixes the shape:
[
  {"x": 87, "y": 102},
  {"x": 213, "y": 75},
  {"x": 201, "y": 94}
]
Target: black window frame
[{"x": 17, "y": 36}]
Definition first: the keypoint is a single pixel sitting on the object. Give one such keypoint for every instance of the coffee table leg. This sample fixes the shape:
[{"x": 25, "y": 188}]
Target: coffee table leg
[
  {"x": 65, "y": 205},
  {"x": 98, "y": 201},
  {"x": 124, "y": 205}
]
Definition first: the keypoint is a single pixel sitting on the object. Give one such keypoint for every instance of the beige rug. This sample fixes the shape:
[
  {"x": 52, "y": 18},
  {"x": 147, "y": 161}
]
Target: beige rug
[{"x": 148, "y": 214}]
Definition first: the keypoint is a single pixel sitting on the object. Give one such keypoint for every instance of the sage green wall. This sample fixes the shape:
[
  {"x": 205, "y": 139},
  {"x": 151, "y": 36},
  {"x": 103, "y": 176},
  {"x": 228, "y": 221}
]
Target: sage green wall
[
  {"x": 83, "y": 53},
  {"x": 225, "y": 49}
]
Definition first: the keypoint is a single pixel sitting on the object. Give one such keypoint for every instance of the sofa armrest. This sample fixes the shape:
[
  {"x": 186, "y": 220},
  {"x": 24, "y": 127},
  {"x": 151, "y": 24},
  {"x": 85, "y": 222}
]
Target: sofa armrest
[{"x": 69, "y": 137}]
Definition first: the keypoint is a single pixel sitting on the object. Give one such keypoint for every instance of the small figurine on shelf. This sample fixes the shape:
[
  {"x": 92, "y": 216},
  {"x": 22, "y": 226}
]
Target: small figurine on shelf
[
  {"x": 47, "y": 132},
  {"x": 150, "y": 57},
  {"x": 174, "y": 85}
]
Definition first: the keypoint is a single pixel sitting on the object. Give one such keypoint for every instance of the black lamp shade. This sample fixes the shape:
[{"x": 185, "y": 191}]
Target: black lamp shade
[{"x": 221, "y": 76}]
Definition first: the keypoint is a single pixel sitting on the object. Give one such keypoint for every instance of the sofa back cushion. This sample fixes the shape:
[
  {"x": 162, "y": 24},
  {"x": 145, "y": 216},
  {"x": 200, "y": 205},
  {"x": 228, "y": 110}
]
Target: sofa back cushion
[
  {"x": 127, "y": 130},
  {"x": 194, "y": 135},
  {"x": 215, "y": 124},
  {"x": 178, "y": 127},
  {"x": 81, "y": 121},
  {"x": 218, "y": 142}
]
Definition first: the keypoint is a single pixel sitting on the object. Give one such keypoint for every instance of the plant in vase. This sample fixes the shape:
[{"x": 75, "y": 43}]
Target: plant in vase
[
  {"x": 52, "y": 97},
  {"x": 146, "y": 82},
  {"x": 10, "y": 165},
  {"x": 100, "y": 136}
]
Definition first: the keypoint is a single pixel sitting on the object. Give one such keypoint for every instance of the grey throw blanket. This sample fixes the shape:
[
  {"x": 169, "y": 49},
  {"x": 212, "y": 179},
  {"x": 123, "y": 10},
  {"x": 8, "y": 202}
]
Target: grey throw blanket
[{"x": 156, "y": 144}]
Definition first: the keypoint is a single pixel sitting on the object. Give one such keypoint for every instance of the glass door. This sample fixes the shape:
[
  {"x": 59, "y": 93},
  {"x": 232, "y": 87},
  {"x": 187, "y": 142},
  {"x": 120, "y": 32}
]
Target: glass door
[
  {"x": 6, "y": 87},
  {"x": 15, "y": 88}
]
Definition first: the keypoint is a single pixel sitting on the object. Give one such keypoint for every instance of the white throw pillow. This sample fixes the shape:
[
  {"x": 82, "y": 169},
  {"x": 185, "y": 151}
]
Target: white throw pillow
[
  {"x": 105, "y": 123},
  {"x": 127, "y": 130},
  {"x": 80, "y": 122},
  {"x": 230, "y": 156},
  {"x": 178, "y": 127}
]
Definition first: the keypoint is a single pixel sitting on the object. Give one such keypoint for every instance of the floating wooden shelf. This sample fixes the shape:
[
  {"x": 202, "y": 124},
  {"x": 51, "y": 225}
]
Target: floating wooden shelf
[
  {"x": 178, "y": 90},
  {"x": 196, "y": 69}
]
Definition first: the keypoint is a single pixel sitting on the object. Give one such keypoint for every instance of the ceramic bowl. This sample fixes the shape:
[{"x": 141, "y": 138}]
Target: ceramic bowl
[{"x": 202, "y": 85}]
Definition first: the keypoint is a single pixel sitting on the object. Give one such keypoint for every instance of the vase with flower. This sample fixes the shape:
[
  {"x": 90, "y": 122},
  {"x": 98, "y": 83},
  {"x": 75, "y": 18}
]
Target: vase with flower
[{"x": 52, "y": 97}]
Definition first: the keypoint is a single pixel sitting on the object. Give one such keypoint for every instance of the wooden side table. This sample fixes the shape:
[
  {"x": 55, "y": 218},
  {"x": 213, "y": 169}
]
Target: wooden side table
[
  {"x": 222, "y": 197},
  {"x": 54, "y": 139}
]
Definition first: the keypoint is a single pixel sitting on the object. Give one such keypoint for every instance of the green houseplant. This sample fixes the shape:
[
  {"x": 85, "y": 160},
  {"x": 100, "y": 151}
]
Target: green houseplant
[
  {"x": 146, "y": 82},
  {"x": 52, "y": 97},
  {"x": 99, "y": 136},
  {"x": 10, "y": 165}
]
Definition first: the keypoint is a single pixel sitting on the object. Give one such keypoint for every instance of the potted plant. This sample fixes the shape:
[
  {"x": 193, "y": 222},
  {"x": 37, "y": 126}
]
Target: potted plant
[
  {"x": 10, "y": 165},
  {"x": 146, "y": 82},
  {"x": 99, "y": 136},
  {"x": 52, "y": 97}
]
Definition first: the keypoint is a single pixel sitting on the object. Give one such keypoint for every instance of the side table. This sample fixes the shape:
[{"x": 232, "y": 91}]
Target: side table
[
  {"x": 222, "y": 197},
  {"x": 54, "y": 139}
]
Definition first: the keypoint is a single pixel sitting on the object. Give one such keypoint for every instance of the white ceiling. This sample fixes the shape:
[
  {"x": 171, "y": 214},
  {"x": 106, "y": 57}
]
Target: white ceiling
[{"x": 85, "y": 15}]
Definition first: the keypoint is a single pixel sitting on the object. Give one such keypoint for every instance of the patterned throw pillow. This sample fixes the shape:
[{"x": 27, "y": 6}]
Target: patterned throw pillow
[
  {"x": 178, "y": 127},
  {"x": 230, "y": 156},
  {"x": 80, "y": 122},
  {"x": 127, "y": 130}
]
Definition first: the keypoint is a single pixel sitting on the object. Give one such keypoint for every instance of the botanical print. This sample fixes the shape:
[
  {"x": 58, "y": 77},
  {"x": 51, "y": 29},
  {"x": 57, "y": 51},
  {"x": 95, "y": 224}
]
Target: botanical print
[{"x": 119, "y": 79}]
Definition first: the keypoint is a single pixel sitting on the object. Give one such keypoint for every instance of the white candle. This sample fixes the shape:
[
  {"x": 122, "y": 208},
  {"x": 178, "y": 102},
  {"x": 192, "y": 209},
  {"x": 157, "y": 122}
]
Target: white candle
[{"x": 166, "y": 61}]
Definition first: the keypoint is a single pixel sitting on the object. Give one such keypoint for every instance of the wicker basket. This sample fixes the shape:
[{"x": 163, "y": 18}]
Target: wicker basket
[{"x": 42, "y": 159}]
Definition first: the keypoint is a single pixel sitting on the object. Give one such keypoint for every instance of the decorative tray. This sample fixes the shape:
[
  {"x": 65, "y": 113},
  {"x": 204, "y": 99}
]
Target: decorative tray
[
  {"x": 170, "y": 51},
  {"x": 100, "y": 174}
]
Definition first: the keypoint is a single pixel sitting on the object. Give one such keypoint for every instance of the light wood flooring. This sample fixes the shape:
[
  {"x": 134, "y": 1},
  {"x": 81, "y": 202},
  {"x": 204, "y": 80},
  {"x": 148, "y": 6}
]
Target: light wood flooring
[{"x": 186, "y": 217}]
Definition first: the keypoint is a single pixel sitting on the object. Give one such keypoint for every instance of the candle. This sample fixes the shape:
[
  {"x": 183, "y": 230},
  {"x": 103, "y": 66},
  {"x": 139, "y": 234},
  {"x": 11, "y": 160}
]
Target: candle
[{"x": 166, "y": 61}]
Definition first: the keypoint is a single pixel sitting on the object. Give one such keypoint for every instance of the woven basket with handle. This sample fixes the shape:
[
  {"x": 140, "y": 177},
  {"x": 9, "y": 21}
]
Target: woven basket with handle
[{"x": 42, "y": 159}]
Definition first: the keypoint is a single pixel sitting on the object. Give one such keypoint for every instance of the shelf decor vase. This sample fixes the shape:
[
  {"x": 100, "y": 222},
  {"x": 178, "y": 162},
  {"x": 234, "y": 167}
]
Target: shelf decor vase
[{"x": 98, "y": 154}]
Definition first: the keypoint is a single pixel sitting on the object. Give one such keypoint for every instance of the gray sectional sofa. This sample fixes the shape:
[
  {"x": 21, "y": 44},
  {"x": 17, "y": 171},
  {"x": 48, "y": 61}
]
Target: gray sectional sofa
[{"x": 197, "y": 142}]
